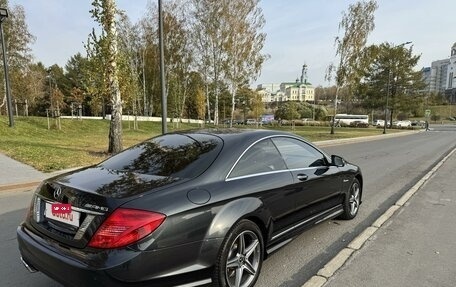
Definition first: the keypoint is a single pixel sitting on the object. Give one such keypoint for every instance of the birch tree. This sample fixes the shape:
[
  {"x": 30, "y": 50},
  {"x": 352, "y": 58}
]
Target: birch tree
[
  {"x": 211, "y": 29},
  {"x": 243, "y": 45},
  {"x": 356, "y": 25},
  {"x": 104, "y": 12}
]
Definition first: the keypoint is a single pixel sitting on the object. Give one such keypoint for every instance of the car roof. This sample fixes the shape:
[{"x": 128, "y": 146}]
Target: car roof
[{"x": 243, "y": 135}]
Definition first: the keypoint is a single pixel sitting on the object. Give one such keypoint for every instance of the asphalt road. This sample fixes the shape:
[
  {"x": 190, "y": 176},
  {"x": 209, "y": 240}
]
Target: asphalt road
[{"x": 390, "y": 166}]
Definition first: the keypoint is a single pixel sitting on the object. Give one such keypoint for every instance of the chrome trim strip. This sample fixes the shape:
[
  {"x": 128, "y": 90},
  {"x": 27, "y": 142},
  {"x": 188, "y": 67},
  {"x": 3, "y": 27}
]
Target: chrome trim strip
[
  {"x": 334, "y": 214},
  {"x": 268, "y": 137},
  {"x": 280, "y": 245},
  {"x": 30, "y": 268},
  {"x": 85, "y": 224},
  {"x": 256, "y": 174},
  {"x": 87, "y": 211},
  {"x": 303, "y": 222},
  {"x": 196, "y": 283},
  {"x": 307, "y": 168}
]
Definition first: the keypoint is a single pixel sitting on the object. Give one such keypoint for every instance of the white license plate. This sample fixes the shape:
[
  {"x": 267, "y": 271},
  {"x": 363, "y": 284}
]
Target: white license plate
[{"x": 68, "y": 218}]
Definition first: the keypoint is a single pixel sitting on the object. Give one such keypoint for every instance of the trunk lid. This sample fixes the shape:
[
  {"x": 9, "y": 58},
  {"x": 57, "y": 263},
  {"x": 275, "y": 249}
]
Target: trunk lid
[{"x": 93, "y": 194}]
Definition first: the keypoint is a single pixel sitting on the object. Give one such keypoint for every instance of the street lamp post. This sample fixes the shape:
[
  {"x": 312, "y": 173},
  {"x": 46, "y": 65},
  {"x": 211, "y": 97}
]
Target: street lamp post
[
  {"x": 144, "y": 79},
  {"x": 388, "y": 88},
  {"x": 3, "y": 16},
  {"x": 162, "y": 67}
]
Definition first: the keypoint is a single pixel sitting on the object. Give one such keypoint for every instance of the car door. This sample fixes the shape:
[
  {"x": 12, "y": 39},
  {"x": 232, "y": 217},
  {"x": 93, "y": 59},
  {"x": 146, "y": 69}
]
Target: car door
[
  {"x": 316, "y": 183},
  {"x": 262, "y": 171}
]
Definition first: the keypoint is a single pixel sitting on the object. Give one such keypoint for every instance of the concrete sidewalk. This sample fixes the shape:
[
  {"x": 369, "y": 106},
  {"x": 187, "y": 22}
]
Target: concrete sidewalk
[
  {"x": 416, "y": 246},
  {"x": 14, "y": 173}
]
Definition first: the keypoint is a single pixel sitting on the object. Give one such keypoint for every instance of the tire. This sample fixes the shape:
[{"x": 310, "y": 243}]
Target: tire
[
  {"x": 352, "y": 201},
  {"x": 240, "y": 257}
]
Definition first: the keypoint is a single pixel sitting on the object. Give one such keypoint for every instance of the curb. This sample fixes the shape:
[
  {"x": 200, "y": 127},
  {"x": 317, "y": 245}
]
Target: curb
[
  {"x": 25, "y": 185},
  {"x": 34, "y": 183},
  {"x": 325, "y": 273},
  {"x": 328, "y": 143}
]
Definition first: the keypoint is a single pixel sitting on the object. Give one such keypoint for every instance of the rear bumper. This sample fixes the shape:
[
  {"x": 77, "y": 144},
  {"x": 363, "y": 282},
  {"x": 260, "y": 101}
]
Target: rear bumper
[{"x": 38, "y": 254}]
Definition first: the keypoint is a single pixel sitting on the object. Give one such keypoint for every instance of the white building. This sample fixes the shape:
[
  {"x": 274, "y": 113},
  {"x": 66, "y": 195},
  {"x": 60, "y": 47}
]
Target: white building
[
  {"x": 451, "y": 78},
  {"x": 270, "y": 87},
  {"x": 266, "y": 96},
  {"x": 287, "y": 91},
  {"x": 443, "y": 74},
  {"x": 300, "y": 92},
  {"x": 450, "y": 91}
]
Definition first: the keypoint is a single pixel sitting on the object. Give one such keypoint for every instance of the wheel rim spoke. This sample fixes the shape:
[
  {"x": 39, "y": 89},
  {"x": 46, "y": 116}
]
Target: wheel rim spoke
[
  {"x": 249, "y": 250},
  {"x": 239, "y": 272},
  {"x": 233, "y": 263},
  {"x": 249, "y": 268},
  {"x": 241, "y": 246}
]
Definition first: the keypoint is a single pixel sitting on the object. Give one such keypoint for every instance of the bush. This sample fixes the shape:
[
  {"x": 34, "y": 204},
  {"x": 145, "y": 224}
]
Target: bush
[{"x": 435, "y": 117}]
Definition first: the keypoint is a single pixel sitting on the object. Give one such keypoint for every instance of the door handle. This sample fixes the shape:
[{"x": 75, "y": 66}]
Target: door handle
[{"x": 302, "y": 177}]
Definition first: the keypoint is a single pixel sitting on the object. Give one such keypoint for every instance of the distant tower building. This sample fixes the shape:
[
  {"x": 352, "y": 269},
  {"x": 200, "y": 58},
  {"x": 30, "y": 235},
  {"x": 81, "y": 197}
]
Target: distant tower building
[
  {"x": 450, "y": 91},
  {"x": 300, "y": 90},
  {"x": 304, "y": 74},
  {"x": 451, "y": 82}
]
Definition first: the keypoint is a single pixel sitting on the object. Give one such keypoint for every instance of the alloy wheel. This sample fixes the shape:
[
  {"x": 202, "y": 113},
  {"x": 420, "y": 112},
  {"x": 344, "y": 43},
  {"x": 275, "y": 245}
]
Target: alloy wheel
[
  {"x": 243, "y": 260},
  {"x": 354, "y": 198}
]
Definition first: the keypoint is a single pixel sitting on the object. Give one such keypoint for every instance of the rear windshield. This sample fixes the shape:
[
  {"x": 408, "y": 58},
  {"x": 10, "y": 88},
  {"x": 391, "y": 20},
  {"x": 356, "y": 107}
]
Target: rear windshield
[{"x": 172, "y": 155}]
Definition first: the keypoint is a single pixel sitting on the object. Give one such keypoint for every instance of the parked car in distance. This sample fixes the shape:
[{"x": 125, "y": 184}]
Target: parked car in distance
[
  {"x": 418, "y": 123},
  {"x": 186, "y": 208},
  {"x": 404, "y": 124},
  {"x": 251, "y": 122},
  {"x": 381, "y": 123}
]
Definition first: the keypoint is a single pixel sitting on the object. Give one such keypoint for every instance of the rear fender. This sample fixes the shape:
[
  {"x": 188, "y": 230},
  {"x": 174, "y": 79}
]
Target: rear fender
[{"x": 233, "y": 212}]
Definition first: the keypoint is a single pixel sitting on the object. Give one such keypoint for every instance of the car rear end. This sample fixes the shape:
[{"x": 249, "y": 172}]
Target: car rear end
[
  {"x": 109, "y": 237},
  {"x": 91, "y": 241}
]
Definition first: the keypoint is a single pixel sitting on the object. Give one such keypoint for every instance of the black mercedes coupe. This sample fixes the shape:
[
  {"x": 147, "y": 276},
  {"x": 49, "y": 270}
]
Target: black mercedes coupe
[{"x": 190, "y": 208}]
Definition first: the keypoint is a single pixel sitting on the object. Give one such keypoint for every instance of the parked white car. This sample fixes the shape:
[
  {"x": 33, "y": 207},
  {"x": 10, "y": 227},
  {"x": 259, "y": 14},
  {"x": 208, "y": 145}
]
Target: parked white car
[
  {"x": 380, "y": 123},
  {"x": 404, "y": 124}
]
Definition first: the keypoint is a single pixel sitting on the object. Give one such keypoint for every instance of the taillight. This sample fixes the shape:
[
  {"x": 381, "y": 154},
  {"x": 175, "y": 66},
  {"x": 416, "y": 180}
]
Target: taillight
[{"x": 125, "y": 226}]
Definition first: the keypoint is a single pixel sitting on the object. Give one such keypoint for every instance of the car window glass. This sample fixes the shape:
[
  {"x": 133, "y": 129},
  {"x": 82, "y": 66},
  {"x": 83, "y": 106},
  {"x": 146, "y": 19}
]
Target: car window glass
[
  {"x": 261, "y": 157},
  {"x": 173, "y": 155},
  {"x": 298, "y": 154}
]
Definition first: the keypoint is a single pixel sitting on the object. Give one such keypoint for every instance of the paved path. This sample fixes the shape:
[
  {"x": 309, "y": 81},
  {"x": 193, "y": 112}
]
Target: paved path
[
  {"x": 14, "y": 172},
  {"x": 416, "y": 247}
]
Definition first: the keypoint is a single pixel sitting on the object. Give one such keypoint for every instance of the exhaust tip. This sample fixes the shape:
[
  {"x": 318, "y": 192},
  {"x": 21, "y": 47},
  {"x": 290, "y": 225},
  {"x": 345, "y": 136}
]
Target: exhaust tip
[{"x": 28, "y": 266}]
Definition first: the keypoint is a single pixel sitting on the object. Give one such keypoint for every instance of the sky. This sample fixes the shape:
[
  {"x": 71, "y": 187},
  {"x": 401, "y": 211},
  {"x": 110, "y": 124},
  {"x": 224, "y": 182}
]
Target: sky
[{"x": 298, "y": 31}]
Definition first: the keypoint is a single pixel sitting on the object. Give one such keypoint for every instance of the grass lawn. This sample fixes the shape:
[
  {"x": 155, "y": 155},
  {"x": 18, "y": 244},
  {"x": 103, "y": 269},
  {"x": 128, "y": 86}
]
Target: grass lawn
[{"x": 81, "y": 143}]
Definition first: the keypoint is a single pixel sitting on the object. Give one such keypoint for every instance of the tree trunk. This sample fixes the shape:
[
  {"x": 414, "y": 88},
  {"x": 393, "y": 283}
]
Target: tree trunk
[
  {"x": 115, "y": 129},
  {"x": 233, "y": 97},
  {"x": 208, "y": 102}
]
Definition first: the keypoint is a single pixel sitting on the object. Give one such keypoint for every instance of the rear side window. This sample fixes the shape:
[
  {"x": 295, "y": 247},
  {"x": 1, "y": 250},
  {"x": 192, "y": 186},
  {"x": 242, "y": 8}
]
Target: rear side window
[
  {"x": 298, "y": 154},
  {"x": 259, "y": 158},
  {"x": 172, "y": 155}
]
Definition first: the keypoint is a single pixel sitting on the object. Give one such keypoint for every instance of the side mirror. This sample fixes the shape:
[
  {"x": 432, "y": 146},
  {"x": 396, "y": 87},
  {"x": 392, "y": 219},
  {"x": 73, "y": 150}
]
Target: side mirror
[{"x": 337, "y": 161}]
